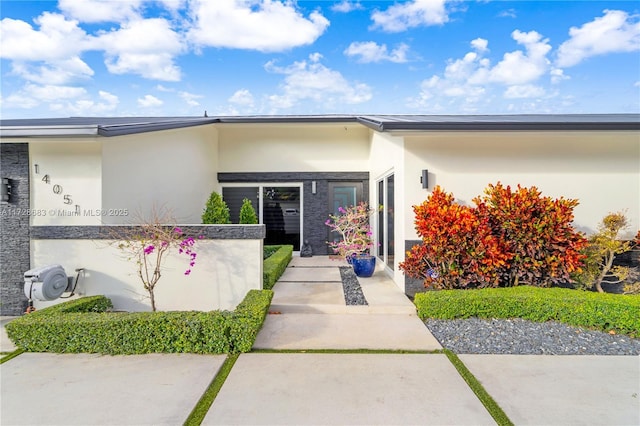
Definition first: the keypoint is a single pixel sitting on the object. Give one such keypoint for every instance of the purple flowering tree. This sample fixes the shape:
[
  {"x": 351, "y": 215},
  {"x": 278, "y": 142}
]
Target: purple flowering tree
[
  {"x": 354, "y": 231},
  {"x": 148, "y": 246}
]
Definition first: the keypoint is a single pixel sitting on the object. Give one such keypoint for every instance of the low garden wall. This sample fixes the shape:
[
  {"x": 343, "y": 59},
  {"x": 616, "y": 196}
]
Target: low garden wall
[{"x": 228, "y": 265}]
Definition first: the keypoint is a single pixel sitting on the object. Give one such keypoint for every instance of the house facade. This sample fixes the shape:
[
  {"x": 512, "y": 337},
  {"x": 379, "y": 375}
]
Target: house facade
[{"x": 69, "y": 177}]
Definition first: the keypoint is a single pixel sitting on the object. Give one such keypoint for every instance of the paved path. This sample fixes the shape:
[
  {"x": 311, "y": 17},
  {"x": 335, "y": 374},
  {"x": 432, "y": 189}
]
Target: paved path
[
  {"x": 322, "y": 388},
  {"x": 308, "y": 311}
]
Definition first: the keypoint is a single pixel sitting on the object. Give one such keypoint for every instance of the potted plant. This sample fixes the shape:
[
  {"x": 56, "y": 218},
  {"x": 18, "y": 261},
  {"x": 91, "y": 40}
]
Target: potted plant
[{"x": 354, "y": 237}]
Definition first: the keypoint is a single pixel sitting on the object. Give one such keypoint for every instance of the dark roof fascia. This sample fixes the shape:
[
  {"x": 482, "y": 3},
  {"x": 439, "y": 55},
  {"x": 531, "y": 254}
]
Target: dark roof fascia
[
  {"x": 130, "y": 129},
  {"x": 288, "y": 119},
  {"x": 584, "y": 122}
]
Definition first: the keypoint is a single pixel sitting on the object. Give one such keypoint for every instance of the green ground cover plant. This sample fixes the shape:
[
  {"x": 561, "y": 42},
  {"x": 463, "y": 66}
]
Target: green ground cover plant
[
  {"x": 600, "y": 311},
  {"x": 85, "y": 326},
  {"x": 274, "y": 266}
]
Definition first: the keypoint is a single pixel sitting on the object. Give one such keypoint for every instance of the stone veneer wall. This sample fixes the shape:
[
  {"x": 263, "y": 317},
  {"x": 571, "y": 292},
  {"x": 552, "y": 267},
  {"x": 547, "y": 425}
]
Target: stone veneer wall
[{"x": 14, "y": 228}]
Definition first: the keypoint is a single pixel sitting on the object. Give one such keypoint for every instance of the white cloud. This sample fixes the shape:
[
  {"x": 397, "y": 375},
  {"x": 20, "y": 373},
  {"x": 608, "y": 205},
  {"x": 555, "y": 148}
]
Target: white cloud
[
  {"x": 636, "y": 84},
  {"x": 50, "y": 92},
  {"x": 161, "y": 88},
  {"x": 266, "y": 26},
  {"x": 242, "y": 97},
  {"x": 149, "y": 101},
  {"x": 145, "y": 47},
  {"x": 468, "y": 82},
  {"x": 55, "y": 72},
  {"x": 107, "y": 103},
  {"x": 346, "y": 6},
  {"x": 190, "y": 98},
  {"x": 310, "y": 80},
  {"x": 57, "y": 39},
  {"x": 520, "y": 67},
  {"x": 557, "y": 75},
  {"x": 370, "y": 51},
  {"x": 524, "y": 91},
  {"x": 509, "y": 13},
  {"x": 100, "y": 10},
  {"x": 615, "y": 31},
  {"x": 480, "y": 44},
  {"x": 402, "y": 16}
]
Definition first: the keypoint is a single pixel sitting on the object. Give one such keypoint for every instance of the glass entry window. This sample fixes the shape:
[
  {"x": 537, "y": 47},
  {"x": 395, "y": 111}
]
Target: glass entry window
[
  {"x": 343, "y": 194},
  {"x": 278, "y": 207},
  {"x": 386, "y": 237}
]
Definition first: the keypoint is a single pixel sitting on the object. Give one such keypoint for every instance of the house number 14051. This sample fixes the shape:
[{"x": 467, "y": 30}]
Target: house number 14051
[{"x": 57, "y": 188}]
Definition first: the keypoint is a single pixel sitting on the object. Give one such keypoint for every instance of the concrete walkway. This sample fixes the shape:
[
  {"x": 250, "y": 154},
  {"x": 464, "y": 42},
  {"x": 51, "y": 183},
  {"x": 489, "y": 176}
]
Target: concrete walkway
[
  {"x": 322, "y": 388},
  {"x": 308, "y": 311}
]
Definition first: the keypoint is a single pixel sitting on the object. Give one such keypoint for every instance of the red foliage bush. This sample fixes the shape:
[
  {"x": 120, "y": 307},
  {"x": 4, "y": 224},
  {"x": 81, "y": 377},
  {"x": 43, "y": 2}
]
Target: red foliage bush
[
  {"x": 457, "y": 250},
  {"x": 510, "y": 238},
  {"x": 541, "y": 243}
]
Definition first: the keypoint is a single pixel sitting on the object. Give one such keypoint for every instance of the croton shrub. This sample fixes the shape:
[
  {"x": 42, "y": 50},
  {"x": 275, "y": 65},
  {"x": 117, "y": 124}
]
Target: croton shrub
[{"x": 512, "y": 237}]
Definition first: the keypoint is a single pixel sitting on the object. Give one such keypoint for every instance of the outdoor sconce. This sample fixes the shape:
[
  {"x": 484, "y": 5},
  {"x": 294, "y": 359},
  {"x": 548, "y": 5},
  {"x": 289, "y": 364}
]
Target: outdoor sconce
[
  {"x": 424, "y": 179},
  {"x": 313, "y": 187},
  {"x": 5, "y": 190}
]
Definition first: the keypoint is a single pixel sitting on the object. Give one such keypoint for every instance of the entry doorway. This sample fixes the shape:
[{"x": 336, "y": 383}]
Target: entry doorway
[
  {"x": 279, "y": 208},
  {"x": 343, "y": 194}
]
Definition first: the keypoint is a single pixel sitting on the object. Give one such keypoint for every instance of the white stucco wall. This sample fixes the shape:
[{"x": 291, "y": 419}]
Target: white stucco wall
[
  {"x": 387, "y": 156},
  {"x": 76, "y": 168},
  {"x": 600, "y": 169},
  {"x": 225, "y": 271},
  {"x": 293, "y": 148},
  {"x": 176, "y": 169}
]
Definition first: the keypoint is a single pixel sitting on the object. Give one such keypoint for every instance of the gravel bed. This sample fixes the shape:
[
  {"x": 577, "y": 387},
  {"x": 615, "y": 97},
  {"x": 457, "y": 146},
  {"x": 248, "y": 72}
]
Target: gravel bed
[
  {"x": 521, "y": 337},
  {"x": 353, "y": 294}
]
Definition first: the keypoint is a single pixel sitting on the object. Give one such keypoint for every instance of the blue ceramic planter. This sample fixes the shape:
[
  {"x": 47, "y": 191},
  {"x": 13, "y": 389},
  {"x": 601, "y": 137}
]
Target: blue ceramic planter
[{"x": 364, "y": 266}]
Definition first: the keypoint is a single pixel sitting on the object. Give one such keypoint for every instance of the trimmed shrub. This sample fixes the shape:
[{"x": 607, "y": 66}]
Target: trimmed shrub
[
  {"x": 66, "y": 328},
  {"x": 247, "y": 213},
  {"x": 248, "y": 318},
  {"x": 85, "y": 304},
  {"x": 274, "y": 266},
  {"x": 216, "y": 211},
  {"x": 604, "y": 312}
]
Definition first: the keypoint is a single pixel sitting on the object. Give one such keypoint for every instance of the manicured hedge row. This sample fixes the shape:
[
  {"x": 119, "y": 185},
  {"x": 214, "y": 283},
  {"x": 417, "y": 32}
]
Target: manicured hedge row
[
  {"x": 55, "y": 330},
  {"x": 583, "y": 309},
  {"x": 274, "y": 266}
]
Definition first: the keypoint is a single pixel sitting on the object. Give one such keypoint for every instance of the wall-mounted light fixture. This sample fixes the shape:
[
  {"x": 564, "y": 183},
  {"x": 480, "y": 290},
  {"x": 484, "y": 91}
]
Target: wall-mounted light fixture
[
  {"x": 5, "y": 190},
  {"x": 313, "y": 187},
  {"x": 424, "y": 179}
]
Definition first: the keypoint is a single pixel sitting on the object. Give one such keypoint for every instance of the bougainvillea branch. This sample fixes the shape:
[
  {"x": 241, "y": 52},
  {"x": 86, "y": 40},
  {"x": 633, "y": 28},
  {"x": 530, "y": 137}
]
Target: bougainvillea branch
[{"x": 148, "y": 244}]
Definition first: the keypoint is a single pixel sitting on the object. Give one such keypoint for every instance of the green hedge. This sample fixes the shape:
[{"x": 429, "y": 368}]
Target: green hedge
[
  {"x": 75, "y": 327},
  {"x": 274, "y": 266},
  {"x": 583, "y": 309}
]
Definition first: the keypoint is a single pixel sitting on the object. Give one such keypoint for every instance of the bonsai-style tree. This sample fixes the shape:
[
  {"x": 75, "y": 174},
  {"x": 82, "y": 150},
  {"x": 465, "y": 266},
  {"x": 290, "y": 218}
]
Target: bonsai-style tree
[
  {"x": 247, "y": 213},
  {"x": 216, "y": 210},
  {"x": 600, "y": 253}
]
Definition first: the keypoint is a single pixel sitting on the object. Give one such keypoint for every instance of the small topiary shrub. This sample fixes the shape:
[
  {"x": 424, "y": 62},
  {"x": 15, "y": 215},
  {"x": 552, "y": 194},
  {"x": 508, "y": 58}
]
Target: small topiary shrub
[
  {"x": 274, "y": 266},
  {"x": 247, "y": 213},
  {"x": 599, "y": 311},
  {"x": 216, "y": 210},
  {"x": 77, "y": 327}
]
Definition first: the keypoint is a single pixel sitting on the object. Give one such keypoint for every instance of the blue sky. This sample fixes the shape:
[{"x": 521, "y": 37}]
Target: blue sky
[{"x": 182, "y": 57}]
